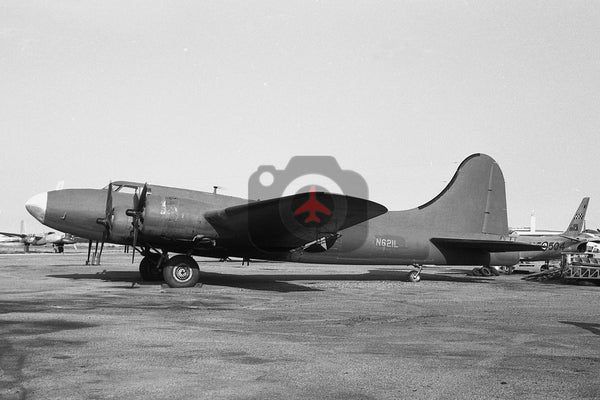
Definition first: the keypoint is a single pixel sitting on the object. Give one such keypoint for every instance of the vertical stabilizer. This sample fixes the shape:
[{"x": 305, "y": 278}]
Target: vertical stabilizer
[
  {"x": 576, "y": 224},
  {"x": 474, "y": 202}
]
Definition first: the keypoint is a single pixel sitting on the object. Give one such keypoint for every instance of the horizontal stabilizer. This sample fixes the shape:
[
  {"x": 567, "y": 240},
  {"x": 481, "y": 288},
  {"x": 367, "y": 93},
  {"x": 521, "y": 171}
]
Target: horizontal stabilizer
[
  {"x": 273, "y": 224},
  {"x": 492, "y": 246}
]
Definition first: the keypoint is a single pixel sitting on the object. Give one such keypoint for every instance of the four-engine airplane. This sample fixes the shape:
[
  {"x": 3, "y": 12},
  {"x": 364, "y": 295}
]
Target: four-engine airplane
[{"x": 466, "y": 224}]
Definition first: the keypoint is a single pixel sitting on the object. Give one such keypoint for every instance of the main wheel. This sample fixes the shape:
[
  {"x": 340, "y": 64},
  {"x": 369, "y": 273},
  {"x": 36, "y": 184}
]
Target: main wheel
[
  {"x": 148, "y": 269},
  {"x": 414, "y": 276},
  {"x": 181, "y": 271}
]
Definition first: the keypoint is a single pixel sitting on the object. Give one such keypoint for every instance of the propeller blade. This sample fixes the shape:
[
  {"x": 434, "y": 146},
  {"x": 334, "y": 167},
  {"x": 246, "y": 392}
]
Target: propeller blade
[
  {"x": 136, "y": 201},
  {"x": 106, "y": 221},
  {"x": 142, "y": 200},
  {"x": 135, "y": 236},
  {"x": 109, "y": 209},
  {"x": 104, "y": 237},
  {"x": 139, "y": 203}
]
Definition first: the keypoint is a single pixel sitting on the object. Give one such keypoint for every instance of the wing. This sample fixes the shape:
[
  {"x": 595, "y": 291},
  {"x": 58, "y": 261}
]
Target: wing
[
  {"x": 269, "y": 225},
  {"x": 21, "y": 235},
  {"x": 493, "y": 246}
]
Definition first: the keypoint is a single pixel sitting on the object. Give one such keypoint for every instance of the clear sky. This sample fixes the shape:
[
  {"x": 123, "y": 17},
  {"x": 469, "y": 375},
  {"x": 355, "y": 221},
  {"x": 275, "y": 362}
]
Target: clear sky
[{"x": 200, "y": 93}]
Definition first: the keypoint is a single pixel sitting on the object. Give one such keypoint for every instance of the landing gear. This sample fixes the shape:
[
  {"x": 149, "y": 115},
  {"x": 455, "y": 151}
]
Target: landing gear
[
  {"x": 181, "y": 271},
  {"x": 150, "y": 267},
  {"x": 59, "y": 248},
  {"x": 415, "y": 275}
]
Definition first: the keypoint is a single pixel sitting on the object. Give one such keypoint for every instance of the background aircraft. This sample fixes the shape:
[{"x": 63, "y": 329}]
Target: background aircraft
[
  {"x": 57, "y": 239},
  {"x": 532, "y": 230},
  {"x": 466, "y": 224},
  {"x": 553, "y": 244}
]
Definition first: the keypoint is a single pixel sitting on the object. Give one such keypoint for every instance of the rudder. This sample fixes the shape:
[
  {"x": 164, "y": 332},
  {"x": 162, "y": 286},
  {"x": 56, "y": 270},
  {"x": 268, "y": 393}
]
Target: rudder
[{"x": 576, "y": 225}]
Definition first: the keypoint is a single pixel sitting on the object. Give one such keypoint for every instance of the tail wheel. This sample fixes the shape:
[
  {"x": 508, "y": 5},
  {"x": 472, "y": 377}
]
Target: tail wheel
[
  {"x": 414, "y": 276},
  {"x": 181, "y": 271}
]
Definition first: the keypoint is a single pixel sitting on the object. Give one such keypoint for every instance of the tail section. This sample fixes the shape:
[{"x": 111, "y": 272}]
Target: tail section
[
  {"x": 576, "y": 224},
  {"x": 474, "y": 202}
]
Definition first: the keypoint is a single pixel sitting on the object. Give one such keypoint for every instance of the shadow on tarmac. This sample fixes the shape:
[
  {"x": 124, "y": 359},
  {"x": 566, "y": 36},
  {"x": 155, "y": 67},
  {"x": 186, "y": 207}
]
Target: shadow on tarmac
[
  {"x": 593, "y": 328},
  {"x": 276, "y": 282}
]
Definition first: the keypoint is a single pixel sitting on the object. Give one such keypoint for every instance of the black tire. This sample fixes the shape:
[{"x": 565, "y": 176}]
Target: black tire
[
  {"x": 485, "y": 271},
  {"x": 495, "y": 271},
  {"x": 181, "y": 271},
  {"x": 476, "y": 272},
  {"x": 414, "y": 276},
  {"x": 148, "y": 269}
]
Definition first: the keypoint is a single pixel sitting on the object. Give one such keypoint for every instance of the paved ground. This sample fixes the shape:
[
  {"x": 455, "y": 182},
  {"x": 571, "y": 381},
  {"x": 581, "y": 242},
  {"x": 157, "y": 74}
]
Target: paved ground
[{"x": 290, "y": 331}]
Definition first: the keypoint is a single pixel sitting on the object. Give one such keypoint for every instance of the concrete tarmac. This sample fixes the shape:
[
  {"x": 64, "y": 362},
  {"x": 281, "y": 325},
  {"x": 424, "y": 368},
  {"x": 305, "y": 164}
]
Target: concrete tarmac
[{"x": 290, "y": 331}]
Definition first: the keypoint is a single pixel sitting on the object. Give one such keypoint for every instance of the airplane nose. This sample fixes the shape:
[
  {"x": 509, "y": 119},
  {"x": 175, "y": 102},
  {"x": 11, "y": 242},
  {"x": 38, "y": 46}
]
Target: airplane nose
[{"x": 37, "y": 206}]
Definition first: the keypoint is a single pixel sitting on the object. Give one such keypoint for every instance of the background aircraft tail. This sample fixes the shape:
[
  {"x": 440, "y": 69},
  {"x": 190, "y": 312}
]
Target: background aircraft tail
[
  {"x": 576, "y": 225},
  {"x": 473, "y": 204}
]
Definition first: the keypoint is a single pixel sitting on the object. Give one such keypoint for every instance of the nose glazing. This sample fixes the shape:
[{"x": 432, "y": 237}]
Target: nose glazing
[{"x": 37, "y": 206}]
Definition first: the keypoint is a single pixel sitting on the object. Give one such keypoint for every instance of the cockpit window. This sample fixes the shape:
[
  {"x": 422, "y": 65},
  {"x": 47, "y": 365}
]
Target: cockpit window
[{"x": 127, "y": 187}]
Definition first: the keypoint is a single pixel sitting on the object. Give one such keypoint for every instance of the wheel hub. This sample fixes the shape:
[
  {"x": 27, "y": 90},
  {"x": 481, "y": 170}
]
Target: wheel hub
[{"x": 182, "y": 273}]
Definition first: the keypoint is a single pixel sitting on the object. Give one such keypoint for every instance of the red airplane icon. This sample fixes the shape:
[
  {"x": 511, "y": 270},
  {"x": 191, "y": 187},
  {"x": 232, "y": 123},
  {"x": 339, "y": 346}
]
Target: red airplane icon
[{"x": 312, "y": 206}]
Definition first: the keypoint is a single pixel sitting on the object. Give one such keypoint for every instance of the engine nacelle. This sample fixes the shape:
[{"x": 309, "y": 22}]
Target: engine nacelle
[
  {"x": 175, "y": 218},
  {"x": 121, "y": 227}
]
